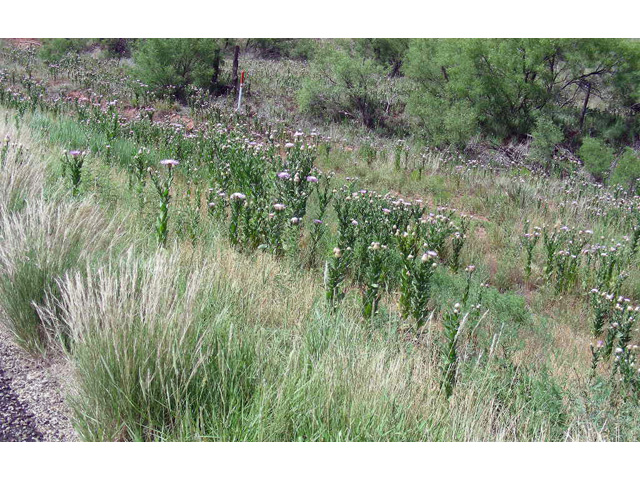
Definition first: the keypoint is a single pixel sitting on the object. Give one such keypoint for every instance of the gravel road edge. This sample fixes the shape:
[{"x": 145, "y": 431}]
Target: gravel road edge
[{"x": 36, "y": 389}]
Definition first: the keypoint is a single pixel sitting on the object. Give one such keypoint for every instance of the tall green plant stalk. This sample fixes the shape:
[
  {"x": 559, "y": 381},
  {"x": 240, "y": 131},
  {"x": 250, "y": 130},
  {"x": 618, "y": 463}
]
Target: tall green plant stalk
[
  {"x": 458, "y": 241},
  {"x": 467, "y": 289},
  {"x": 451, "y": 323},
  {"x": 374, "y": 277},
  {"x": 163, "y": 187},
  {"x": 335, "y": 274},
  {"x": 72, "y": 162},
  {"x": 529, "y": 242},
  {"x": 138, "y": 169},
  {"x": 420, "y": 272},
  {"x": 237, "y": 201}
]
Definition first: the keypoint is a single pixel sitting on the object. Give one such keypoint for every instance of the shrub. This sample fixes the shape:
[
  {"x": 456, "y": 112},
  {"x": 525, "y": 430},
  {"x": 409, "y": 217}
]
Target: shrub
[
  {"x": 389, "y": 52},
  {"x": 597, "y": 157},
  {"x": 117, "y": 47},
  {"x": 53, "y": 49},
  {"x": 301, "y": 48},
  {"x": 170, "y": 65},
  {"x": 627, "y": 170},
  {"x": 498, "y": 87},
  {"x": 546, "y": 135},
  {"x": 342, "y": 85}
]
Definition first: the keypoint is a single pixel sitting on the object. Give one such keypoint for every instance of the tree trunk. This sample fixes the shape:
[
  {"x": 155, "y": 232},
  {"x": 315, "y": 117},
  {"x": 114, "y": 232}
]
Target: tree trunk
[
  {"x": 216, "y": 74},
  {"x": 444, "y": 74},
  {"x": 584, "y": 106},
  {"x": 234, "y": 72},
  {"x": 395, "y": 70}
]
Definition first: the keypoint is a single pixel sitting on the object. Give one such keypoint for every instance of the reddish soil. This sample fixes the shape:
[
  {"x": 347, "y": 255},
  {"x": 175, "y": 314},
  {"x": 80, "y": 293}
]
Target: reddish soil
[
  {"x": 79, "y": 95},
  {"x": 25, "y": 42}
]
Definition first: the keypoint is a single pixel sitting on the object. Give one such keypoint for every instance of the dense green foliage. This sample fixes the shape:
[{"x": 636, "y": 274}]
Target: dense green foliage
[
  {"x": 627, "y": 170},
  {"x": 498, "y": 88},
  {"x": 53, "y": 49},
  {"x": 597, "y": 157},
  {"x": 344, "y": 84},
  {"x": 546, "y": 135},
  {"x": 117, "y": 47},
  {"x": 389, "y": 52},
  {"x": 170, "y": 65},
  {"x": 282, "y": 47}
]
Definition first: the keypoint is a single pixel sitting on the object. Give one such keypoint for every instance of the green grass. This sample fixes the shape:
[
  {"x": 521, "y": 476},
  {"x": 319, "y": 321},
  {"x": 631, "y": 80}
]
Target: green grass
[{"x": 200, "y": 341}]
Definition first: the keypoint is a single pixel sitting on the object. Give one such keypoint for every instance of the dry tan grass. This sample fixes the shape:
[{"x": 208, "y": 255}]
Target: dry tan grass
[
  {"x": 22, "y": 176},
  {"x": 271, "y": 294}
]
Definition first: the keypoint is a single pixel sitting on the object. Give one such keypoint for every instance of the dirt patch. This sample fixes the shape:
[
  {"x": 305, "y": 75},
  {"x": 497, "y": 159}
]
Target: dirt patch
[
  {"x": 78, "y": 95},
  {"x": 129, "y": 113},
  {"x": 25, "y": 42}
]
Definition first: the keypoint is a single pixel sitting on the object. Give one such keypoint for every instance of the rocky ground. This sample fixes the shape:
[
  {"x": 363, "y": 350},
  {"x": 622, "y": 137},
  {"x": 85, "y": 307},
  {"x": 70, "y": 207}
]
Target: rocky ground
[
  {"x": 32, "y": 406},
  {"x": 17, "y": 423}
]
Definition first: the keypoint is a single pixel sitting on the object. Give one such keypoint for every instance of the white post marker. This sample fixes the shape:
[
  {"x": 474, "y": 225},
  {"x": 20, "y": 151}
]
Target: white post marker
[{"x": 240, "y": 91}]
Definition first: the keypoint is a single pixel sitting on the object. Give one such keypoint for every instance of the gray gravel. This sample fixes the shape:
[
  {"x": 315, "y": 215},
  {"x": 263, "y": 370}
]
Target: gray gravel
[
  {"x": 32, "y": 406},
  {"x": 17, "y": 424}
]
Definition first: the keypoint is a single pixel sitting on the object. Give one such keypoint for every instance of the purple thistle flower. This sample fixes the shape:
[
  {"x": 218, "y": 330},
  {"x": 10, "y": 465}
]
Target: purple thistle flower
[
  {"x": 284, "y": 175},
  {"x": 75, "y": 153},
  {"x": 170, "y": 162},
  {"x": 312, "y": 179},
  {"x": 317, "y": 221}
]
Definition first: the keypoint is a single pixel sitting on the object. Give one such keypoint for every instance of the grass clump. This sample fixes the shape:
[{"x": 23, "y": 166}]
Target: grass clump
[
  {"x": 156, "y": 359},
  {"x": 37, "y": 246}
]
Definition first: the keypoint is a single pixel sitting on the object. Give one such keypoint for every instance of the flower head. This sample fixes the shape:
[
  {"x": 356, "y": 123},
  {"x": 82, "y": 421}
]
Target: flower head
[
  {"x": 238, "y": 196},
  {"x": 170, "y": 162}
]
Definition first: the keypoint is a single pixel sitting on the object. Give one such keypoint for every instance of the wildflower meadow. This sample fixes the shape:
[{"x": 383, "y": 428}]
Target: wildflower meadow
[{"x": 270, "y": 273}]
